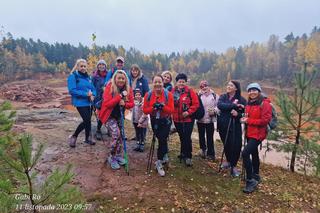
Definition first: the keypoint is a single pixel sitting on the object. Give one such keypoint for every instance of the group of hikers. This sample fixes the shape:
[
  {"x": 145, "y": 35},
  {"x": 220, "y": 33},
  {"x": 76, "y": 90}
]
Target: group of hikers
[{"x": 108, "y": 93}]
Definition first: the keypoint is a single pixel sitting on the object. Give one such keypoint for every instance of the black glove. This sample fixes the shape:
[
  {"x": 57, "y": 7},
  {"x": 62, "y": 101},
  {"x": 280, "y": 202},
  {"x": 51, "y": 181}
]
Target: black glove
[{"x": 158, "y": 106}]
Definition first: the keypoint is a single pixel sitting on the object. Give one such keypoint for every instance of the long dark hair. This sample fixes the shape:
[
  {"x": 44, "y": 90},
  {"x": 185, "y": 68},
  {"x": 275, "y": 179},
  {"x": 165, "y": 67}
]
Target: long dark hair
[{"x": 238, "y": 91}]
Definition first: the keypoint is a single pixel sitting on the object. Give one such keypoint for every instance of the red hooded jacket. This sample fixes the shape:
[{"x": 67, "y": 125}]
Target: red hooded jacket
[
  {"x": 167, "y": 109},
  {"x": 188, "y": 98},
  {"x": 110, "y": 101},
  {"x": 259, "y": 116}
]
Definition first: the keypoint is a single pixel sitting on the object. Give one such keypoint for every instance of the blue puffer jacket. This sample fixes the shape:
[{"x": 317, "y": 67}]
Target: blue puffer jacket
[{"x": 79, "y": 85}]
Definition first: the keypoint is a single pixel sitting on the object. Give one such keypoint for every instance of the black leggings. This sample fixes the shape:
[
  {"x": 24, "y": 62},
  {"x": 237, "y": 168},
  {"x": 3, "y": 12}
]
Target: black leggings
[
  {"x": 161, "y": 129},
  {"x": 140, "y": 132},
  {"x": 252, "y": 166},
  {"x": 85, "y": 113}
]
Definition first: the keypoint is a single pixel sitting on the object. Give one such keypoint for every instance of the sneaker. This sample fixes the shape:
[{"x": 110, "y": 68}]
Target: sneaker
[
  {"x": 160, "y": 168},
  {"x": 202, "y": 153},
  {"x": 165, "y": 159},
  {"x": 188, "y": 162},
  {"x": 98, "y": 135},
  {"x": 121, "y": 161},
  {"x": 256, "y": 177},
  {"x": 251, "y": 185},
  {"x": 211, "y": 157},
  {"x": 72, "y": 141},
  {"x": 235, "y": 172},
  {"x": 113, "y": 163},
  {"x": 225, "y": 165}
]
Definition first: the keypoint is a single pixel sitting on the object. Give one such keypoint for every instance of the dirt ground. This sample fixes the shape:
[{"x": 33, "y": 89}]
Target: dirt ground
[{"x": 197, "y": 189}]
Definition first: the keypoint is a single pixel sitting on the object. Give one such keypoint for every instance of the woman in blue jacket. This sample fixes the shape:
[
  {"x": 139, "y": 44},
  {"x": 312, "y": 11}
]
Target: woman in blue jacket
[{"x": 82, "y": 94}]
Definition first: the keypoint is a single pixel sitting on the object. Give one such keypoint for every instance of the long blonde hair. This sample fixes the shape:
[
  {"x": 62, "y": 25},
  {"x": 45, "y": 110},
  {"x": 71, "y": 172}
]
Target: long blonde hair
[
  {"x": 77, "y": 63},
  {"x": 114, "y": 89}
]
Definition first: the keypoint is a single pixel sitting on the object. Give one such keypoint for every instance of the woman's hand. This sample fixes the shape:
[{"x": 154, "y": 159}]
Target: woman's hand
[
  {"x": 185, "y": 114},
  {"x": 122, "y": 102},
  {"x": 234, "y": 113}
]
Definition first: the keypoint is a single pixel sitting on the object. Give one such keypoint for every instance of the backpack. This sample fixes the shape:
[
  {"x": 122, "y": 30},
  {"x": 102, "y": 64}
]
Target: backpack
[
  {"x": 165, "y": 95},
  {"x": 199, "y": 113},
  {"x": 274, "y": 118}
]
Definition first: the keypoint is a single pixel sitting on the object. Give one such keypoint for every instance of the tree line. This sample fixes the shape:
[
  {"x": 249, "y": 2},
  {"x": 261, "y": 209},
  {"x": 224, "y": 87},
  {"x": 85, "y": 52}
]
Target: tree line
[{"x": 274, "y": 59}]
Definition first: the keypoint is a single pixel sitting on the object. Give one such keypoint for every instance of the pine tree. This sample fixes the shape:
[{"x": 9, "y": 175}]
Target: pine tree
[
  {"x": 299, "y": 118},
  {"x": 18, "y": 176}
]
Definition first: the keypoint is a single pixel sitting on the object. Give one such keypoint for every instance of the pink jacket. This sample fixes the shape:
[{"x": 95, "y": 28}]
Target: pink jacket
[{"x": 210, "y": 104}]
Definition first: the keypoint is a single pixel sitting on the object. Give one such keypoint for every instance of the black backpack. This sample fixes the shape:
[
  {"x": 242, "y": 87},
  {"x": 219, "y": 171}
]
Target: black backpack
[{"x": 199, "y": 113}]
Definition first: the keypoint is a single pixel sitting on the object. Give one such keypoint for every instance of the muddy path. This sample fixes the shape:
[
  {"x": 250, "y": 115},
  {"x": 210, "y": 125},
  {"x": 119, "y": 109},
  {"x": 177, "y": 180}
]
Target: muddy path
[{"x": 92, "y": 175}]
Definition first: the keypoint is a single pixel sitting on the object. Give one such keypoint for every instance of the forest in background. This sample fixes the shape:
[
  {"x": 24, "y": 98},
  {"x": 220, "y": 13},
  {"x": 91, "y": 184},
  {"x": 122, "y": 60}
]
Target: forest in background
[{"x": 273, "y": 60}]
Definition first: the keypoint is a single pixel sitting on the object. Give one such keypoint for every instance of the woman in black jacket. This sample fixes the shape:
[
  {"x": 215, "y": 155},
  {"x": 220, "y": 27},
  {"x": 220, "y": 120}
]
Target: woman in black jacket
[{"x": 231, "y": 106}]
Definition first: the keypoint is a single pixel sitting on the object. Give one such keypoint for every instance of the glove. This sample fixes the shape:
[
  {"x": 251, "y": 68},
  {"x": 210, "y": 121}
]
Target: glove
[{"x": 158, "y": 106}]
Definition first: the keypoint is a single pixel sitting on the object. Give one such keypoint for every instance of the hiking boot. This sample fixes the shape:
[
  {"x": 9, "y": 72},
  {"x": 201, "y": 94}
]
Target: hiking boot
[
  {"x": 202, "y": 153},
  {"x": 113, "y": 162},
  {"x": 159, "y": 168},
  {"x": 188, "y": 162},
  {"x": 90, "y": 141},
  {"x": 121, "y": 161},
  {"x": 165, "y": 159},
  {"x": 211, "y": 157},
  {"x": 72, "y": 141},
  {"x": 141, "y": 147},
  {"x": 137, "y": 148},
  {"x": 98, "y": 135},
  {"x": 225, "y": 165},
  {"x": 256, "y": 177},
  {"x": 251, "y": 185},
  {"x": 234, "y": 172}
]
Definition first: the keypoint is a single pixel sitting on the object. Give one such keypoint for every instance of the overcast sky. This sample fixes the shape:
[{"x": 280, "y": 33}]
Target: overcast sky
[{"x": 159, "y": 25}]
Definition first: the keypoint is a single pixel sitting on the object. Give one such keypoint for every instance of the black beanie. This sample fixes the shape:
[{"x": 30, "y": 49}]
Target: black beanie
[{"x": 181, "y": 76}]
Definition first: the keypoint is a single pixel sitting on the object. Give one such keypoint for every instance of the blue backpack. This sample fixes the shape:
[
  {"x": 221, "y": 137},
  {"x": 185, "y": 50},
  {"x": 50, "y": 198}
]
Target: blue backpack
[{"x": 165, "y": 95}]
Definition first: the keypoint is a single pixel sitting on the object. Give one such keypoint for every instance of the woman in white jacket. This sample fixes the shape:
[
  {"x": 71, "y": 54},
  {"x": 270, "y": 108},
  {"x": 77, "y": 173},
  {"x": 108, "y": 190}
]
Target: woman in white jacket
[{"x": 205, "y": 125}]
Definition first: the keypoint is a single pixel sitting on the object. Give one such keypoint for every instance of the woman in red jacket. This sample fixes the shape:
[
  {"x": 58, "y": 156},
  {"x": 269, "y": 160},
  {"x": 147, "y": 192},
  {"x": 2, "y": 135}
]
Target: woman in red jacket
[
  {"x": 158, "y": 102},
  {"x": 117, "y": 96},
  {"x": 186, "y": 103},
  {"x": 258, "y": 114}
]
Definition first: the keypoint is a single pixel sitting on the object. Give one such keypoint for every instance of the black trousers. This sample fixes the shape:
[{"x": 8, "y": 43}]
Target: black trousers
[
  {"x": 140, "y": 132},
  {"x": 206, "y": 131},
  {"x": 232, "y": 143},
  {"x": 252, "y": 166},
  {"x": 85, "y": 113},
  {"x": 185, "y": 130},
  {"x": 161, "y": 129}
]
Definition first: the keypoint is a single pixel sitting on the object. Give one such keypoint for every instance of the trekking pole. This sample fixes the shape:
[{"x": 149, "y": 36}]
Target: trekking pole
[
  {"x": 225, "y": 144},
  {"x": 243, "y": 172},
  {"x": 124, "y": 140},
  {"x": 151, "y": 152}
]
